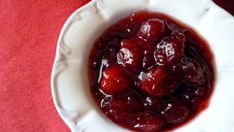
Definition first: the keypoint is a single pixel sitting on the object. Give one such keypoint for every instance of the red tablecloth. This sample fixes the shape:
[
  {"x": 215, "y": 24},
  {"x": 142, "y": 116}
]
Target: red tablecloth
[{"x": 29, "y": 30}]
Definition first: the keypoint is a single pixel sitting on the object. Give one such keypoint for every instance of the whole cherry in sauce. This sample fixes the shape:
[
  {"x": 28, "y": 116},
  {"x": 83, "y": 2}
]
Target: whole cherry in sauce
[
  {"x": 157, "y": 81},
  {"x": 114, "y": 80},
  {"x": 152, "y": 29},
  {"x": 130, "y": 54},
  {"x": 148, "y": 72}
]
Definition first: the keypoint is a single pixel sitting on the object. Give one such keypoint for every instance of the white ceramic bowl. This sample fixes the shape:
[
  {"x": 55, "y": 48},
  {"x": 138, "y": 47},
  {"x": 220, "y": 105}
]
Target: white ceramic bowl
[{"x": 69, "y": 81}]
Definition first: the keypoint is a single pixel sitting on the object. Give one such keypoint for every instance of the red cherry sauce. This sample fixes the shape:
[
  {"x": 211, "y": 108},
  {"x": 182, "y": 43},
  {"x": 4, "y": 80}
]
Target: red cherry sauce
[{"x": 149, "y": 72}]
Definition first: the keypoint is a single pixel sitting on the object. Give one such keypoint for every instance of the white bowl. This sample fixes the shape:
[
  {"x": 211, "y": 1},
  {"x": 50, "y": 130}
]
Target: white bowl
[{"x": 70, "y": 88}]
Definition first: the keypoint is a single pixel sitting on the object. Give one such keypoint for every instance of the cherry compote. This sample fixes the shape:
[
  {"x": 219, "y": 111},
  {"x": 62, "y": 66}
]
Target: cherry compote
[{"x": 149, "y": 72}]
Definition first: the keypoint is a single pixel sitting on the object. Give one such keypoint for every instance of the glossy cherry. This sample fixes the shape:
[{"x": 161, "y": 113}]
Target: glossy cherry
[
  {"x": 115, "y": 80},
  {"x": 193, "y": 72},
  {"x": 148, "y": 122},
  {"x": 157, "y": 81},
  {"x": 170, "y": 49},
  {"x": 152, "y": 29},
  {"x": 130, "y": 54},
  {"x": 174, "y": 111}
]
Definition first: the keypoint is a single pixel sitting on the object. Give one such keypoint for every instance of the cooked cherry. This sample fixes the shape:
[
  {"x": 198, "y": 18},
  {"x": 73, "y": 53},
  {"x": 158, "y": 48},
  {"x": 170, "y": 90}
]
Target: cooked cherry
[
  {"x": 126, "y": 119},
  {"x": 171, "y": 108},
  {"x": 142, "y": 121},
  {"x": 115, "y": 80},
  {"x": 148, "y": 122},
  {"x": 127, "y": 109},
  {"x": 155, "y": 104},
  {"x": 170, "y": 49},
  {"x": 152, "y": 29},
  {"x": 193, "y": 72},
  {"x": 157, "y": 81},
  {"x": 191, "y": 94},
  {"x": 175, "y": 111},
  {"x": 131, "y": 102},
  {"x": 130, "y": 54},
  {"x": 150, "y": 73}
]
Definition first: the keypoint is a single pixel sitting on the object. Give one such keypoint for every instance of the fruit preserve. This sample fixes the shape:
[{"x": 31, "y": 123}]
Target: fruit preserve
[{"x": 149, "y": 72}]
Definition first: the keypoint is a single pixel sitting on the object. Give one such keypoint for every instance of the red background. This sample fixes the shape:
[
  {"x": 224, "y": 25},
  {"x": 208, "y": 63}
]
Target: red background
[{"x": 29, "y": 30}]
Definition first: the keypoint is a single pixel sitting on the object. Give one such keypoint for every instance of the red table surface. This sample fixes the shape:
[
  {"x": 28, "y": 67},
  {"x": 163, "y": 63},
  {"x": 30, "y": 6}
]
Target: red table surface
[{"x": 29, "y": 30}]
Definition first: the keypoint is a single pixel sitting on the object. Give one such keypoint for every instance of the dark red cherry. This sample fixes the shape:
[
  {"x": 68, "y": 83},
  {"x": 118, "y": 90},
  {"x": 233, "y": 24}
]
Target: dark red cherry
[
  {"x": 130, "y": 54},
  {"x": 170, "y": 107},
  {"x": 131, "y": 102},
  {"x": 175, "y": 111},
  {"x": 124, "y": 118},
  {"x": 148, "y": 122},
  {"x": 115, "y": 80},
  {"x": 152, "y": 29},
  {"x": 170, "y": 49},
  {"x": 142, "y": 121},
  {"x": 196, "y": 75},
  {"x": 155, "y": 104},
  {"x": 192, "y": 94},
  {"x": 193, "y": 71},
  {"x": 157, "y": 81}
]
